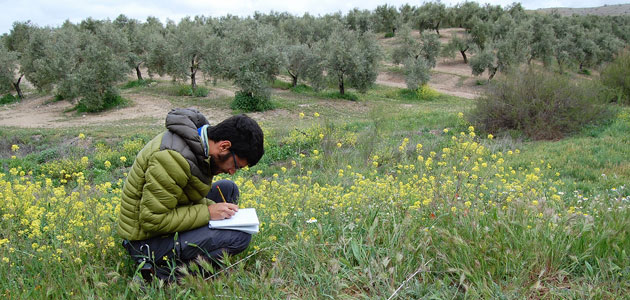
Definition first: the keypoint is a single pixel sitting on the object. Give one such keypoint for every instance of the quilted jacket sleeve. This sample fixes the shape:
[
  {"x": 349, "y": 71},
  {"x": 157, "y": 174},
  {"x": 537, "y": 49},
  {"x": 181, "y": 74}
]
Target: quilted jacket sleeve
[{"x": 160, "y": 209}]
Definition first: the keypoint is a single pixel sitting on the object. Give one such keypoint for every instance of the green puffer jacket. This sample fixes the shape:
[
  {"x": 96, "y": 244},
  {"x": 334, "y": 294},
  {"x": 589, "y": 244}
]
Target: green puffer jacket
[{"x": 167, "y": 184}]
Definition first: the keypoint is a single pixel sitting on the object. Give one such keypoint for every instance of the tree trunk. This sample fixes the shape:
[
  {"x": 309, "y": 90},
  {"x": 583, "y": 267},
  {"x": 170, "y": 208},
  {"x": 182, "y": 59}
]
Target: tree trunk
[
  {"x": 294, "y": 78},
  {"x": 193, "y": 81},
  {"x": 138, "y": 73},
  {"x": 437, "y": 28},
  {"x": 341, "y": 87},
  {"x": 581, "y": 66},
  {"x": 16, "y": 85},
  {"x": 193, "y": 71},
  {"x": 463, "y": 52},
  {"x": 494, "y": 72}
]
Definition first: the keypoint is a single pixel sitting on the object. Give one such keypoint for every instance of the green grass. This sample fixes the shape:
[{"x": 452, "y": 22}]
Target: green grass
[
  {"x": 373, "y": 230},
  {"x": 8, "y": 98}
]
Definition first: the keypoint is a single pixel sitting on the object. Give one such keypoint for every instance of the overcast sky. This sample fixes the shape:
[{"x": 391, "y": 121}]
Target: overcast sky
[{"x": 55, "y": 12}]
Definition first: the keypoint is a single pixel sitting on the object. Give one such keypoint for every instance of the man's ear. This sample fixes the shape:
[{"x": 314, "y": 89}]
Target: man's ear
[{"x": 224, "y": 146}]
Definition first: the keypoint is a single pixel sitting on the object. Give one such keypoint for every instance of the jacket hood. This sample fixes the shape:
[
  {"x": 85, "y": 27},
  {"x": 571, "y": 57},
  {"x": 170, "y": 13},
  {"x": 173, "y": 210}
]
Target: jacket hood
[{"x": 184, "y": 122}]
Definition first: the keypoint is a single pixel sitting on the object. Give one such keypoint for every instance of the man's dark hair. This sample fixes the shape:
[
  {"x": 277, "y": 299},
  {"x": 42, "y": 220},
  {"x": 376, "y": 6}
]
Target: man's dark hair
[{"x": 244, "y": 134}]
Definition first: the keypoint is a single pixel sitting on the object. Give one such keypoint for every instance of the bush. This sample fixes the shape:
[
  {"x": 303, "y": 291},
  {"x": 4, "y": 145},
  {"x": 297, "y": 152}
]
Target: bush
[
  {"x": 417, "y": 73},
  {"x": 92, "y": 103},
  {"x": 389, "y": 35},
  {"x": 8, "y": 98},
  {"x": 301, "y": 89},
  {"x": 347, "y": 96},
  {"x": 617, "y": 76},
  {"x": 201, "y": 91},
  {"x": 424, "y": 92},
  {"x": 246, "y": 102},
  {"x": 540, "y": 105},
  {"x": 186, "y": 90}
]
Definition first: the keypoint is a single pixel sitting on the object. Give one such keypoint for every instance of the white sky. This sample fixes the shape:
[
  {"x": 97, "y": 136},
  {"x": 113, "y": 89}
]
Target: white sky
[{"x": 55, "y": 12}]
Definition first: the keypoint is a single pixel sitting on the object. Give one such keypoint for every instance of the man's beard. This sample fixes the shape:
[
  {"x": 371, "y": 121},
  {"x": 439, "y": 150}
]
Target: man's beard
[{"x": 214, "y": 168}]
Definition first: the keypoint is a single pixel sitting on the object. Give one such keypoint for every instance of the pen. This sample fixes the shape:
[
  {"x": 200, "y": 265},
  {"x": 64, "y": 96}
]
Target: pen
[{"x": 222, "y": 197}]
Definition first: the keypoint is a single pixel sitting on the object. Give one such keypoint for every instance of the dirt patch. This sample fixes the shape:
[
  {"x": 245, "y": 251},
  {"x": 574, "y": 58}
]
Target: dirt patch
[
  {"x": 35, "y": 112},
  {"x": 446, "y": 83}
]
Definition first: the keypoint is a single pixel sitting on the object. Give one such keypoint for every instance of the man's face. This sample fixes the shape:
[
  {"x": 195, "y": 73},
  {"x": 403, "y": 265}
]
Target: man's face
[{"x": 226, "y": 163}]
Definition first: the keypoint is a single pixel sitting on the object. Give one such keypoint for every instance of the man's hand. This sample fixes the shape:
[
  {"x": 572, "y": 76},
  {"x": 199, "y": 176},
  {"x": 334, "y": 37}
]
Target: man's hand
[{"x": 220, "y": 211}]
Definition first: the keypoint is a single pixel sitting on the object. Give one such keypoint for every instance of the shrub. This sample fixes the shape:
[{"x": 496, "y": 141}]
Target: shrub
[
  {"x": 616, "y": 75},
  {"x": 540, "y": 105},
  {"x": 246, "y": 102},
  {"x": 58, "y": 98},
  {"x": 8, "y": 98},
  {"x": 424, "y": 92},
  {"x": 184, "y": 90},
  {"x": 93, "y": 103},
  {"x": 347, "y": 96},
  {"x": 417, "y": 72},
  {"x": 389, "y": 35},
  {"x": 302, "y": 88},
  {"x": 201, "y": 91},
  {"x": 137, "y": 83}
]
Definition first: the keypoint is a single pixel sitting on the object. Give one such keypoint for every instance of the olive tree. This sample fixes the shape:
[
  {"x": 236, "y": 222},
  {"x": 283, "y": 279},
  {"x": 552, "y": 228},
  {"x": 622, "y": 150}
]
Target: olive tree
[
  {"x": 302, "y": 44},
  {"x": 16, "y": 43},
  {"x": 386, "y": 19},
  {"x": 359, "y": 20},
  {"x": 254, "y": 61},
  {"x": 500, "y": 55},
  {"x": 186, "y": 50},
  {"x": 458, "y": 43},
  {"x": 463, "y": 13},
  {"x": 543, "y": 40},
  {"x": 351, "y": 59},
  {"x": 137, "y": 37},
  {"x": 407, "y": 13},
  {"x": 428, "y": 47},
  {"x": 430, "y": 16},
  {"x": 303, "y": 62},
  {"x": 8, "y": 69},
  {"x": 102, "y": 65},
  {"x": 418, "y": 56},
  {"x": 85, "y": 61}
]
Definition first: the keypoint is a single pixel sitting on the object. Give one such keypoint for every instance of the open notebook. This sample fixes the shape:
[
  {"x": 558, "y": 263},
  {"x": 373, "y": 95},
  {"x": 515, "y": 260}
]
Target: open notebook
[{"x": 245, "y": 219}]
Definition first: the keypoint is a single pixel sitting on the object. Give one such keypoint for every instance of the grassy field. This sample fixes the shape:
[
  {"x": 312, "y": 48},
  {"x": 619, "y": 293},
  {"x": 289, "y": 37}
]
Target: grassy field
[{"x": 391, "y": 196}]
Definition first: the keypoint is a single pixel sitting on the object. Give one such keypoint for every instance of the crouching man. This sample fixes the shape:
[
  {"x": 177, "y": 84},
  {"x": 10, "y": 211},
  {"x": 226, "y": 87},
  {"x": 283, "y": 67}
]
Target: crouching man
[{"x": 168, "y": 197}]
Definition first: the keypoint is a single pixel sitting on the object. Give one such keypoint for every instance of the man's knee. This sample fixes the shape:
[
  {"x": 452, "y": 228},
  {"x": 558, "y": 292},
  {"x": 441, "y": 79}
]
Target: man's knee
[
  {"x": 240, "y": 242},
  {"x": 224, "y": 189}
]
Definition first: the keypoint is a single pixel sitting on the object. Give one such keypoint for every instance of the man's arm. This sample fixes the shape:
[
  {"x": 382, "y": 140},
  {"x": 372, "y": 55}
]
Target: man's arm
[{"x": 168, "y": 172}]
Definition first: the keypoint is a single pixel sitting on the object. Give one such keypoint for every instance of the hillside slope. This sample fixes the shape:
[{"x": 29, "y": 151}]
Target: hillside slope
[{"x": 606, "y": 10}]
